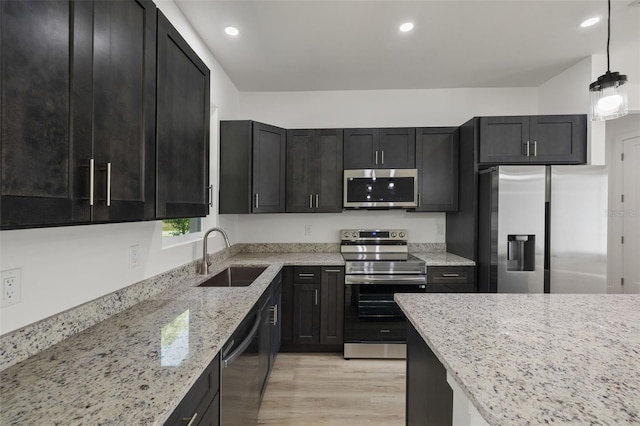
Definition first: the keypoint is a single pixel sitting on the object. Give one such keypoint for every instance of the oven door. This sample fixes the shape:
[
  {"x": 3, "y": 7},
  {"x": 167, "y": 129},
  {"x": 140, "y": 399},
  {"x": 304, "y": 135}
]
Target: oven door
[{"x": 370, "y": 313}]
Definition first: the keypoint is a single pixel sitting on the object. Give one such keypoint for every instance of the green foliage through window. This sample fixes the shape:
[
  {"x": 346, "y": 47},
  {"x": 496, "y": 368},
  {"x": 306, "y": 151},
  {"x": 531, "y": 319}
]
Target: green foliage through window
[{"x": 177, "y": 227}]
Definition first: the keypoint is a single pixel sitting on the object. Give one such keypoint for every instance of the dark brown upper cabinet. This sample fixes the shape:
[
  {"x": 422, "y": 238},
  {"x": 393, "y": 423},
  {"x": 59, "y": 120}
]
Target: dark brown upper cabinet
[
  {"x": 392, "y": 148},
  {"x": 252, "y": 167},
  {"x": 314, "y": 171},
  {"x": 437, "y": 163},
  {"x": 78, "y": 112},
  {"x": 182, "y": 128},
  {"x": 542, "y": 139}
]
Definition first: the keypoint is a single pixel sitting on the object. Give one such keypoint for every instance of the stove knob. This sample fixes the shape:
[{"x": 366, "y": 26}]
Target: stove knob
[
  {"x": 402, "y": 235},
  {"x": 393, "y": 235}
]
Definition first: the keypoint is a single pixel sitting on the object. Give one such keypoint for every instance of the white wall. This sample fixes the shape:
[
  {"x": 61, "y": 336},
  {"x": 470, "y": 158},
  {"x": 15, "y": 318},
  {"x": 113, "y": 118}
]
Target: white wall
[
  {"x": 290, "y": 228},
  {"x": 67, "y": 266},
  {"x": 384, "y": 108},
  {"x": 361, "y": 108}
]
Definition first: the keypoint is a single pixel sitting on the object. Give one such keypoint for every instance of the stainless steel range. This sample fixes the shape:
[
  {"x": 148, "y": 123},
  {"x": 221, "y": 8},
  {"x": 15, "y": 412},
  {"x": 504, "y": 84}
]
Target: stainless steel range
[{"x": 378, "y": 265}]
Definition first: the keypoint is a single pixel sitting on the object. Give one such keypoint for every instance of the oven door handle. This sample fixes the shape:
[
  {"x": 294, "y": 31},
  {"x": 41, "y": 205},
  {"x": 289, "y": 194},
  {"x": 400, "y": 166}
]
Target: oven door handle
[{"x": 384, "y": 279}]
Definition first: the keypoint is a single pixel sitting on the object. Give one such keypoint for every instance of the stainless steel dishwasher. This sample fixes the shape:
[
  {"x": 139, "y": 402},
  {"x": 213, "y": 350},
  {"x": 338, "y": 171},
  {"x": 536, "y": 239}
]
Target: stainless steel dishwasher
[{"x": 239, "y": 374}]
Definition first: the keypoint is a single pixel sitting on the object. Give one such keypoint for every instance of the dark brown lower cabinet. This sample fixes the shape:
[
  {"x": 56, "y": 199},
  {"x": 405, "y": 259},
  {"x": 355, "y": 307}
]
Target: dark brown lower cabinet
[
  {"x": 202, "y": 403},
  {"x": 312, "y": 305},
  {"x": 429, "y": 397}
]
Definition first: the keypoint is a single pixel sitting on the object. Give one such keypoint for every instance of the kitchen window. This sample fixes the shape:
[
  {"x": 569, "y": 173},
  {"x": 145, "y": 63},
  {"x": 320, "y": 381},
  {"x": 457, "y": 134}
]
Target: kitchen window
[{"x": 177, "y": 231}]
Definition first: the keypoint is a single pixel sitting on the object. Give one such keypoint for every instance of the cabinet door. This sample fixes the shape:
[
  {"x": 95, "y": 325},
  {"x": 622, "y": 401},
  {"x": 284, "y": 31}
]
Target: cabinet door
[
  {"x": 332, "y": 306},
  {"x": 124, "y": 109},
  {"x": 437, "y": 161},
  {"x": 360, "y": 148},
  {"x": 300, "y": 194},
  {"x": 560, "y": 139},
  {"x": 45, "y": 112},
  {"x": 397, "y": 148},
  {"x": 182, "y": 131},
  {"x": 503, "y": 140},
  {"x": 269, "y": 154},
  {"x": 306, "y": 314},
  {"x": 327, "y": 171}
]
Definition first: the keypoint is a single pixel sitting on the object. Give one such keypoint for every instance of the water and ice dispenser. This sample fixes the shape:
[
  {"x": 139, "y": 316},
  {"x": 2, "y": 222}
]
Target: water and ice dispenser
[{"x": 521, "y": 252}]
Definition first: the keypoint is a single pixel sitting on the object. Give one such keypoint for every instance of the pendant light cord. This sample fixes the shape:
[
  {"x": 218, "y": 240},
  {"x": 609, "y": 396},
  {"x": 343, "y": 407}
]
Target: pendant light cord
[{"x": 608, "y": 33}]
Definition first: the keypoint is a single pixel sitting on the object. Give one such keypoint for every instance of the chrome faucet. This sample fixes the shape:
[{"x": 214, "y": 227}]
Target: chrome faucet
[{"x": 204, "y": 266}]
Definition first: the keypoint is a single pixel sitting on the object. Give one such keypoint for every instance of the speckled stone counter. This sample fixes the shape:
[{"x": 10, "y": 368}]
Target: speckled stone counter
[
  {"x": 537, "y": 359},
  {"x": 119, "y": 371},
  {"x": 443, "y": 259}
]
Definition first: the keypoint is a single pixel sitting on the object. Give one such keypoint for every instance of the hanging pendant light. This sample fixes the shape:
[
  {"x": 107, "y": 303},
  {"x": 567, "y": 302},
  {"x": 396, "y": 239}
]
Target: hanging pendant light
[{"x": 609, "y": 92}]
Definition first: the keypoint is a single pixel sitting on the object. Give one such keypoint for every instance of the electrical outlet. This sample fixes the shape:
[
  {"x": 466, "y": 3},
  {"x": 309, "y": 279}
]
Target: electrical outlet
[
  {"x": 11, "y": 287},
  {"x": 307, "y": 230},
  {"x": 134, "y": 256},
  {"x": 440, "y": 229}
]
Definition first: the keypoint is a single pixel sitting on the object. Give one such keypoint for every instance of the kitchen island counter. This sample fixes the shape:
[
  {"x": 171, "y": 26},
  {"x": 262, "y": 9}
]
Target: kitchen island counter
[{"x": 537, "y": 358}]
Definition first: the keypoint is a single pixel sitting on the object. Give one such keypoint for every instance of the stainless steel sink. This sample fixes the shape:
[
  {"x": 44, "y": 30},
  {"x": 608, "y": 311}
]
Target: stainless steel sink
[{"x": 234, "y": 276}]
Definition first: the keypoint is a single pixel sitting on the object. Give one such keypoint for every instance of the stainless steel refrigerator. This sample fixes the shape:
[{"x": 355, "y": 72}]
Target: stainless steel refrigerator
[{"x": 542, "y": 229}]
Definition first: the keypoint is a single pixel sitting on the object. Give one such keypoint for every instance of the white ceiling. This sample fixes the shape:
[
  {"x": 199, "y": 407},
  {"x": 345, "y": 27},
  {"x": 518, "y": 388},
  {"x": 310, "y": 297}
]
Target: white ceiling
[{"x": 293, "y": 45}]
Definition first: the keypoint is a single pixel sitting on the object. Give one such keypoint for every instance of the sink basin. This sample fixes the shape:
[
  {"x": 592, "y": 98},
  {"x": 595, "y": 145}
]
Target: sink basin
[{"x": 234, "y": 276}]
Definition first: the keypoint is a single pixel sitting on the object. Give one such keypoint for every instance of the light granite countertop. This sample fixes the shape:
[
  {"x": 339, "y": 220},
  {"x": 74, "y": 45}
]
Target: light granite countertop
[
  {"x": 443, "y": 259},
  {"x": 537, "y": 359},
  {"x": 119, "y": 371}
]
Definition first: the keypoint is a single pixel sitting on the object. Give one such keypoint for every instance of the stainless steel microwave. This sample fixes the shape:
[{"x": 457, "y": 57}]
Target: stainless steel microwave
[{"x": 380, "y": 188}]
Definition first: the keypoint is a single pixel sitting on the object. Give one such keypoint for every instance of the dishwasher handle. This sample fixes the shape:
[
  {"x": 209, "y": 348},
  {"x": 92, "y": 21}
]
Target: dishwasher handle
[{"x": 245, "y": 343}]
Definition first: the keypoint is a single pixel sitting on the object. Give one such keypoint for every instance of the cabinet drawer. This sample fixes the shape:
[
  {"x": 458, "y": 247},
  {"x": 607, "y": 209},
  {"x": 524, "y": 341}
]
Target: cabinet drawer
[
  {"x": 306, "y": 274},
  {"x": 450, "y": 274}
]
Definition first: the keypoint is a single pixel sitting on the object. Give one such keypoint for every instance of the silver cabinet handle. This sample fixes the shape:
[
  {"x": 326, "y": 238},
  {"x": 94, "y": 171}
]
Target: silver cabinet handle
[
  {"x": 535, "y": 148},
  {"x": 305, "y": 276},
  {"x": 257, "y": 201},
  {"x": 310, "y": 201},
  {"x": 274, "y": 310},
  {"x": 527, "y": 148},
  {"x": 91, "y": 180},
  {"x": 317, "y": 200},
  {"x": 190, "y": 420},
  {"x": 381, "y": 157},
  {"x": 376, "y": 157},
  {"x": 316, "y": 293},
  {"x": 108, "y": 184},
  {"x": 210, "y": 195},
  {"x": 450, "y": 275},
  {"x": 335, "y": 271}
]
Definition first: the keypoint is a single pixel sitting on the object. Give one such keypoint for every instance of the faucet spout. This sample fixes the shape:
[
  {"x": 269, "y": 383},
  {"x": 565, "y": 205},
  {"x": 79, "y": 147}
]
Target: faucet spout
[{"x": 204, "y": 266}]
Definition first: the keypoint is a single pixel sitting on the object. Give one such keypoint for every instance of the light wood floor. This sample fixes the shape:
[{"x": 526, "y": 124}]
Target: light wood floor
[{"x": 325, "y": 389}]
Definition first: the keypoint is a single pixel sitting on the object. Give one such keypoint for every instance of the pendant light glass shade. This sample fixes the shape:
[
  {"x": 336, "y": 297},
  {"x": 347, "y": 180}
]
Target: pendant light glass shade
[{"x": 609, "y": 97}]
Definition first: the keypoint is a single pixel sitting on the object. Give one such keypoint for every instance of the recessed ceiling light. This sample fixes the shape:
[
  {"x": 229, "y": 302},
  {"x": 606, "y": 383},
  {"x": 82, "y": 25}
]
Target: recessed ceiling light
[
  {"x": 407, "y": 26},
  {"x": 232, "y": 31},
  {"x": 589, "y": 22}
]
